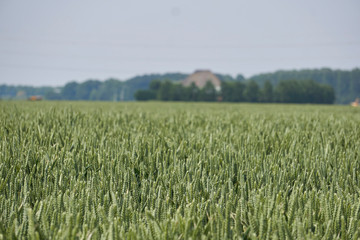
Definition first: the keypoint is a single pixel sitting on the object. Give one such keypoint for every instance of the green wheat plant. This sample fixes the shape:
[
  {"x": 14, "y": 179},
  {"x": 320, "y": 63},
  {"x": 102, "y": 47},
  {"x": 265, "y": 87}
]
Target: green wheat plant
[{"x": 80, "y": 170}]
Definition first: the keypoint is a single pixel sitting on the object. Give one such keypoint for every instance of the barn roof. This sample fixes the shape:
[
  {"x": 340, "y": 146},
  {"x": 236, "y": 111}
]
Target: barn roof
[{"x": 200, "y": 77}]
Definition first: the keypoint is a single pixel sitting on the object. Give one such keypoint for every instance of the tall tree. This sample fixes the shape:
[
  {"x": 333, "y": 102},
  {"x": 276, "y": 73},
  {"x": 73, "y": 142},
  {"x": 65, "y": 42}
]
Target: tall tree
[
  {"x": 194, "y": 92},
  {"x": 238, "y": 89},
  {"x": 226, "y": 91},
  {"x": 328, "y": 94},
  {"x": 346, "y": 84},
  {"x": 164, "y": 92},
  {"x": 155, "y": 85},
  {"x": 252, "y": 91},
  {"x": 69, "y": 91},
  {"x": 240, "y": 78},
  {"x": 177, "y": 92},
  {"x": 145, "y": 95},
  {"x": 288, "y": 91},
  {"x": 84, "y": 90},
  {"x": 267, "y": 92},
  {"x": 208, "y": 92}
]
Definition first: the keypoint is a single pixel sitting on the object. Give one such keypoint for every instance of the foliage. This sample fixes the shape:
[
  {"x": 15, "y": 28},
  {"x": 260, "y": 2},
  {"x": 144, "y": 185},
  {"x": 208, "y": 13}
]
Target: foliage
[
  {"x": 145, "y": 95},
  {"x": 291, "y": 91},
  {"x": 252, "y": 91},
  {"x": 170, "y": 91},
  {"x": 69, "y": 91},
  {"x": 108, "y": 90},
  {"x": 229, "y": 78},
  {"x": 345, "y": 83},
  {"x": 267, "y": 93},
  {"x": 233, "y": 91},
  {"x": 178, "y": 171},
  {"x": 208, "y": 93},
  {"x": 11, "y": 92},
  {"x": 308, "y": 91},
  {"x": 142, "y": 82}
]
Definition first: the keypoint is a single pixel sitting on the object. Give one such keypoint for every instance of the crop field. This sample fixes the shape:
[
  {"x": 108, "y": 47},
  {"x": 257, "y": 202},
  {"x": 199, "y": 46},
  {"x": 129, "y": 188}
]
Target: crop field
[{"x": 91, "y": 170}]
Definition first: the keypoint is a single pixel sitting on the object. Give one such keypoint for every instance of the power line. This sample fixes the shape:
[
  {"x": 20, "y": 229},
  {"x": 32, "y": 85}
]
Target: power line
[
  {"x": 57, "y": 68},
  {"x": 182, "y": 46},
  {"x": 123, "y": 59}
]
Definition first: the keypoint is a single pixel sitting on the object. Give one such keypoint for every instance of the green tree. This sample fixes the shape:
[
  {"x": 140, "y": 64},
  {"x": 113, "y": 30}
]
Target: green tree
[
  {"x": 232, "y": 91},
  {"x": 251, "y": 91},
  {"x": 69, "y": 91},
  {"x": 145, "y": 95},
  {"x": 226, "y": 91},
  {"x": 164, "y": 92},
  {"x": 267, "y": 92},
  {"x": 208, "y": 92},
  {"x": 346, "y": 84},
  {"x": 192, "y": 93},
  {"x": 238, "y": 89},
  {"x": 84, "y": 90},
  {"x": 308, "y": 91},
  {"x": 177, "y": 92},
  {"x": 52, "y": 95},
  {"x": 328, "y": 94},
  {"x": 288, "y": 91},
  {"x": 109, "y": 90},
  {"x": 240, "y": 78},
  {"x": 155, "y": 85}
]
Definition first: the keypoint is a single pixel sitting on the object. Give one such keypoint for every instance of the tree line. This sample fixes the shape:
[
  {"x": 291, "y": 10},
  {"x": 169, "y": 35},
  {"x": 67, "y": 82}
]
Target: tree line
[
  {"x": 345, "y": 83},
  {"x": 287, "y": 91},
  {"x": 92, "y": 89},
  {"x": 109, "y": 90}
]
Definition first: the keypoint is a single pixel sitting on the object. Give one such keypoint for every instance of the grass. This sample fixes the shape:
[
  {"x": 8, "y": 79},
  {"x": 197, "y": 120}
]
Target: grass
[{"x": 91, "y": 170}]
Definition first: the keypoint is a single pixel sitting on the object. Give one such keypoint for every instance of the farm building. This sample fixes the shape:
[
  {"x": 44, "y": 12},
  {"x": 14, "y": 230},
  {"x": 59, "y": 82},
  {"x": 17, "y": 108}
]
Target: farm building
[
  {"x": 35, "y": 98},
  {"x": 201, "y": 77},
  {"x": 355, "y": 103}
]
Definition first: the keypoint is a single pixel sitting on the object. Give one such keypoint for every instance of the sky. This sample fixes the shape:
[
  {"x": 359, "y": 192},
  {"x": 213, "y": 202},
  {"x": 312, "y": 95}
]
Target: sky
[{"x": 49, "y": 43}]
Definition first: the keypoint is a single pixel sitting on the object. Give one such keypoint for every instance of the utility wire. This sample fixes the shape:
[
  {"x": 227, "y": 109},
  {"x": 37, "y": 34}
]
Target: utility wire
[
  {"x": 181, "y": 46},
  {"x": 72, "y": 69},
  {"x": 123, "y": 59}
]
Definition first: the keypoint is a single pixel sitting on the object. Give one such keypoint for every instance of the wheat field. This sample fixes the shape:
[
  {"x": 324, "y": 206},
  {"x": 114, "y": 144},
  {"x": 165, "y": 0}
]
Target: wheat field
[{"x": 92, "y": 170}]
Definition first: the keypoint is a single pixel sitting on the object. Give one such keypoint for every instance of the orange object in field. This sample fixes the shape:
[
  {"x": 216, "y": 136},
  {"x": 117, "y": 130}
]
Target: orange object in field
[
  {"x": 35, "y": 98},
  {"x": 356, "y": 103}
]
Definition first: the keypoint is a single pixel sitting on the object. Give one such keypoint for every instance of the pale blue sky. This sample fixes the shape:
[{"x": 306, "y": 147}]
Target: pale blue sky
[{"x": 48, "y": 42}]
